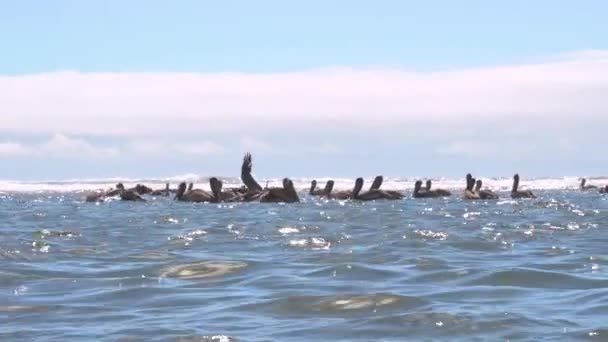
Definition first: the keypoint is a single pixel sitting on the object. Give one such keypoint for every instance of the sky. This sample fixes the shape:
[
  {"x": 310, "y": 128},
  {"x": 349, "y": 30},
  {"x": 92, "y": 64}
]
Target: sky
[{"x": 312, "y": 89}]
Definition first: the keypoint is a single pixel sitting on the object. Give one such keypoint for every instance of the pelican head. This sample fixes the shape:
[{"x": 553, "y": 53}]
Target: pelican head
[
  {"x": 313, "y": 185},
  {"x": 216, "y": 187},
  {"x": 181, "y": 189},
  {"x": 478, "y": 185},
  {"x": 329, "y": 186},
  {"x": 417, "y": 186},
  {"x": 358, "y": 186},
  {"x": 377, "y": 183},
  {"x": 515, "y": 182}
]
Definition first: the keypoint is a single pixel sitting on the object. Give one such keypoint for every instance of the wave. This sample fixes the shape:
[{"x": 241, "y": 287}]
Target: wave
[{"x": 398, "y": 183}]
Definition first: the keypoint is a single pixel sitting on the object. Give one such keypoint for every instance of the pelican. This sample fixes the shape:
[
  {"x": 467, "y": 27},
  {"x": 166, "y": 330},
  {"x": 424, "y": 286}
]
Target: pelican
[
  {"x": 586, "y": 187},
  {"x": 246, "y": 176},
  {"x": 96, "y": 196},
  {"x": 469, "y": 194},
  {"x": 286, "y": 194},
  {"x": 369, "y": 195},
  {"x": 196, "y": 195},
  {"x": 164, "y": 192},
  {"x": 392, "y": 194},
  {"x": 100, "y": 195},
  {"x": 515, "y": 193},
  {"x": 486, "y": 193},
  {"x": 440, "y": 192},
  {"x": 321, "y": 192},
  {"x": 141, "y": 189},
  {"x": 255, "y": 192},
  {"x": 423, "y": 193},
  {"x": 130, "y": 195},
  {"x": 225, "y": 196},
  {"x": 343, "y": 194},
  {"x": 116, "y": 191}
]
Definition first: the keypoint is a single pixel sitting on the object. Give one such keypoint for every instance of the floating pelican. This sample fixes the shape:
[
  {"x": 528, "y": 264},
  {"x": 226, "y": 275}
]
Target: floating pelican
[{"x": 515, "y": 193}]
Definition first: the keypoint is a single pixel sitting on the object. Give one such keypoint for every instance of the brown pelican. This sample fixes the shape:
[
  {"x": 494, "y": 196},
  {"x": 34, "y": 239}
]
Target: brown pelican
[
  {"x": 369, "y": 195},
  {"x": 130, "y": 195},
  {"x": 392, "y": 194},
  {"x": 484, "y": 194},
  {"x": 321, "y": 192},
  {"x": 515, "y": 193},
  {"x": 196, "y": 195},
  {"x": 225, "y": 196},
  {"x": 141, "y": 189},
  {"x": 586, "y": 187},
  {"x": 422, "y": 193},
  {"x": 342, "y": 195},
  {"x": 116, "y": 191},
  {"x": 164, "y": 192},
  {"x": 285, "y": 194},
  {"x": 96, "y": 196},
  {"x": 247, "y": 177},
  {"x": 101, "y": 195},
  {"x": 440, "y": 192},
  {"x": 469, "y": 194},
  {"x": 255, "y": 192},
  {"x": 125, "y": 195}
]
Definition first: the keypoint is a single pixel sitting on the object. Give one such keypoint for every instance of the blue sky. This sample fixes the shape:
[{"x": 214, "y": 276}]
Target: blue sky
[
  {"x": 346, "y": 64},
  {"x": 279, "y": 35}
]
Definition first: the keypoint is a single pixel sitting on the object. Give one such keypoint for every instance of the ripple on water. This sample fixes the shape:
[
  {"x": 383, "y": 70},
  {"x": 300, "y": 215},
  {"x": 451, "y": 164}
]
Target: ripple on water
[
  {"x": 533, "y": 278},
  {"x": 200, "y": 270},
  {"x": 356, "y": 271},
  {"x": 215, "y": 338},
  {"x": 344, "y": 304},
  {"x": 315, "y": 243},
  {"x": 7, "y": 309},
  {"x": 151, "y": 255}
]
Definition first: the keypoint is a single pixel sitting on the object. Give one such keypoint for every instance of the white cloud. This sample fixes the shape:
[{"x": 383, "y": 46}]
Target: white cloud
[
  {"x": 471, "y": 149},
  {"x": 160, "y": 147},
  {"x": 255, "y": 145},
  {"x": 11, "y": 149},
  {"x": 60, "y": 146},
  {"x": 567, "y": 89},
  {"x": 63, "y": 146},
  {"x": 199, "y": 149},
  {"x": 326, "y": 148},
  {"x": 149, "y": 147}
]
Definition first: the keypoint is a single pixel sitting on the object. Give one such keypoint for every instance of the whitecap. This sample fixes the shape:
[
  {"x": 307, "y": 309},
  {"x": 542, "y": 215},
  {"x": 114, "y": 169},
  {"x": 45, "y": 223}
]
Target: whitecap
[{"x": 288, "y": 230}]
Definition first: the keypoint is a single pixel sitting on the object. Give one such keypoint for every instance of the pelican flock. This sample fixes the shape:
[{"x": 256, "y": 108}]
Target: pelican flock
[{"x": 252, "y": 191}]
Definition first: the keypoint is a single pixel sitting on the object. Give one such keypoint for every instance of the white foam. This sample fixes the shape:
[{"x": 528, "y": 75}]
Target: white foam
[{"x": 288, "y": 230}]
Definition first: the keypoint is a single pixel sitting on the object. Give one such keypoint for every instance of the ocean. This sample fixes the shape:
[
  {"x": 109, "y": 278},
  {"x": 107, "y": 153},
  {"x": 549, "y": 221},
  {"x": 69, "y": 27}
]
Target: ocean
[{"x": 319, "y": 270}]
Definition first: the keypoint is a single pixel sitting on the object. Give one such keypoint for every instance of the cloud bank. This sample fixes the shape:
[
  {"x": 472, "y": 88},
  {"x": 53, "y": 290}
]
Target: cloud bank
[
  {"x": 565, "y": 89},
  {"x": 59, "y": 145}
]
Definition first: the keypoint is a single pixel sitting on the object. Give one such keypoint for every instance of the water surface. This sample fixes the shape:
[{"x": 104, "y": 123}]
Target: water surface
[{"x": 432, "y": 269}]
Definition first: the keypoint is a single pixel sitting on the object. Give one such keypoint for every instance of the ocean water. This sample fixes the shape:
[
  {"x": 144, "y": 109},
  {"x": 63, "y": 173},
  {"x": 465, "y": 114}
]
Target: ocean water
[{"x": 319, "y": 270}]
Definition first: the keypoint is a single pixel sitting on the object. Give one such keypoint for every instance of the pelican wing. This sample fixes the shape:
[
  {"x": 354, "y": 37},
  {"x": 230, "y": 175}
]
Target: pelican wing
[{"x": 246, "y": 176}]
